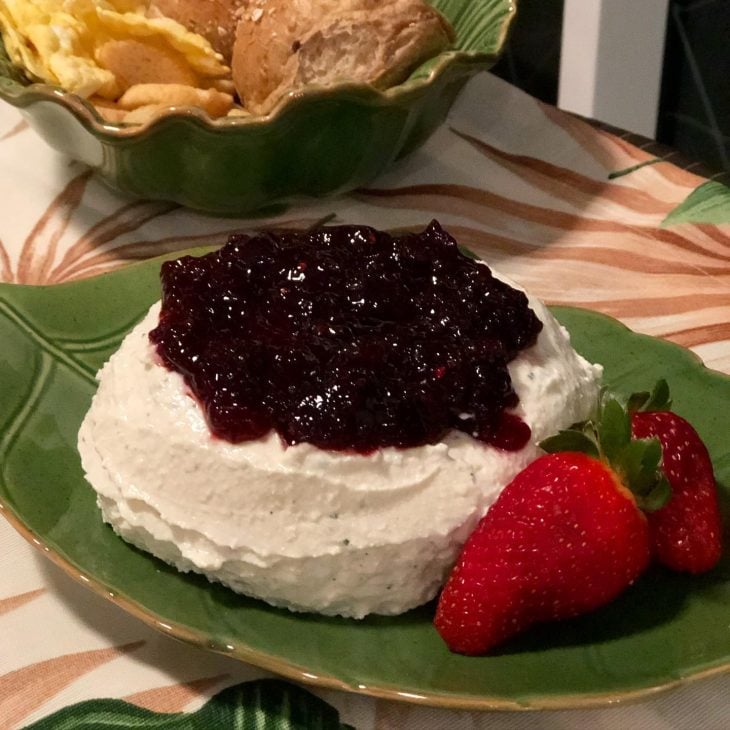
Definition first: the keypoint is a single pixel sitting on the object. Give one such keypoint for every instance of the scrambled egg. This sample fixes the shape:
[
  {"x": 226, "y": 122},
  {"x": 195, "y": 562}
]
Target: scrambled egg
[{"x": 58, "y": 41}]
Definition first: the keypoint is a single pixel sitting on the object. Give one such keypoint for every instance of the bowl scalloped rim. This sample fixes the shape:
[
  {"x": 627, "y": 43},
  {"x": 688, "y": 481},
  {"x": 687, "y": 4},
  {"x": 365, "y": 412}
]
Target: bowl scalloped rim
[{"x": 21, "y": 96}]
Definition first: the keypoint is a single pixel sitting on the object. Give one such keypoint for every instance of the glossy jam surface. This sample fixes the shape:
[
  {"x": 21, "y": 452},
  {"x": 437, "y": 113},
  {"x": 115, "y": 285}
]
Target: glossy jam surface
[{"x": 346, "y": 338}]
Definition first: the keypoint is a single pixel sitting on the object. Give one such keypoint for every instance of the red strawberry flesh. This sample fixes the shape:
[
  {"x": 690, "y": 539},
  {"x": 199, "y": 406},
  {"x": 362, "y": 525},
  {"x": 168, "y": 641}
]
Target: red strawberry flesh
[
  {"x": 686, "y": 533},
  {"x": 563, "y": 538}
]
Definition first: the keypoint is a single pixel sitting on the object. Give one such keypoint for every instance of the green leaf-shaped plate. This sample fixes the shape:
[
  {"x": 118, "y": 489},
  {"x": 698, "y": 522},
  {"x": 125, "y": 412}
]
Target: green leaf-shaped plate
[{"x": 665, "y": 629}]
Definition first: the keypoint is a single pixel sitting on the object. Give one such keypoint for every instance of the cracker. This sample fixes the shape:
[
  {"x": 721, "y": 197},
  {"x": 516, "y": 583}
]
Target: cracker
[
  {"x": 215, "y": 103},
  {"x": 143, "y": 62},
  {"x": 108, "y": 110},
  {"x": 224, "y": 85},
  {"x": 238, "y": 112},
  {"x": 145, "y": 114}
]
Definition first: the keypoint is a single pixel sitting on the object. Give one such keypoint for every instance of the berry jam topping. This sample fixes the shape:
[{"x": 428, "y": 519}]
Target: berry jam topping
[{"x": 346, "y": 338}]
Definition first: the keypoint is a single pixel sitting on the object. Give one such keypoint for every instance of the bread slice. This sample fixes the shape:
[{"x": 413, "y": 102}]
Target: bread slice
[
  {"x": 215, "y": 20},
  {"x": 284, "y": 45}
]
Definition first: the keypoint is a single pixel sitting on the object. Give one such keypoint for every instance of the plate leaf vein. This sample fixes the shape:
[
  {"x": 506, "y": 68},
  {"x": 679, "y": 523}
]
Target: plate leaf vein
[
  {"x": 40, "y": 380},
  {"x": 81, "y": 369}
]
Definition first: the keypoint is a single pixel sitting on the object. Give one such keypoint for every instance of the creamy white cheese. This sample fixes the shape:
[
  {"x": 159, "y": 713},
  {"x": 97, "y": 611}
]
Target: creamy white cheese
[{"x": 298, "y": 526}]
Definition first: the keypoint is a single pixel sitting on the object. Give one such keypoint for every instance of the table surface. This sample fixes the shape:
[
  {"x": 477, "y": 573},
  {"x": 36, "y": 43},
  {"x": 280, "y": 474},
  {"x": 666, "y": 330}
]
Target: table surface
[{"x": 571, "y": 212}]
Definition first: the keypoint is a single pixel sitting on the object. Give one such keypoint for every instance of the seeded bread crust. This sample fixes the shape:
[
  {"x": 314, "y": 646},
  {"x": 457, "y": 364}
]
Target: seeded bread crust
[{"x": 283, "y": 45}]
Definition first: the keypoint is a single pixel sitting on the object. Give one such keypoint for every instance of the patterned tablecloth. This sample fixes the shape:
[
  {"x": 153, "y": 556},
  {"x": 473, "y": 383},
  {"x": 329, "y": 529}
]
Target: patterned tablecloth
[{"x": 577, "y": 215}]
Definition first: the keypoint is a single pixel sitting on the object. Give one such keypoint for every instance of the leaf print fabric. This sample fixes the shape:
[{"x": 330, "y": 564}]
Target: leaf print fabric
[
  {"x": 260, "y": 705},
  {"x": 520, "y": 184}
]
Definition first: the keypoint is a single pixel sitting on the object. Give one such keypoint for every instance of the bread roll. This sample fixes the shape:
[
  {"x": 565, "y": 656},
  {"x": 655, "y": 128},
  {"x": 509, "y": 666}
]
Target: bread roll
[
  {"x": 215, "y": 20},
  {"x": 283, "y": 45}
]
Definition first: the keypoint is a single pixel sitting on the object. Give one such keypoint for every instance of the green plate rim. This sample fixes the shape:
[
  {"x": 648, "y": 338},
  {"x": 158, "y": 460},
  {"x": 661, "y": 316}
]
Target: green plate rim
[{"x": 298, "y": 673}]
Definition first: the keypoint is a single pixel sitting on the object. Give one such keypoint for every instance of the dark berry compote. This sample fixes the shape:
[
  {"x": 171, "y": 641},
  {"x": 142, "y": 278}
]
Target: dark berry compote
[{"x": 346, "y": 338}]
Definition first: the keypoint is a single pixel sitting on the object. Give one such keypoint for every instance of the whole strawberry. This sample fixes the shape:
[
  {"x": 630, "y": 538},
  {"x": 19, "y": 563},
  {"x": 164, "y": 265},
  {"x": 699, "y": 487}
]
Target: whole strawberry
[
  {"x": 566, "y": 536},
  {"x": 563, "y": 538},
  {"x": 685, "y": 534}
]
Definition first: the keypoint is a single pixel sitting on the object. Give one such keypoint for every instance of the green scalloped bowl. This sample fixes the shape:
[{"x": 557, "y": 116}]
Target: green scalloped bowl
[
  {"x": 318, "y": 142},
  {"x": 666, "y": 629}
]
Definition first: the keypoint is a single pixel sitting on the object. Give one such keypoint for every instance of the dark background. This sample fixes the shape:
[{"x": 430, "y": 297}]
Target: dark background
[{"x": 694, "y": 113}]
